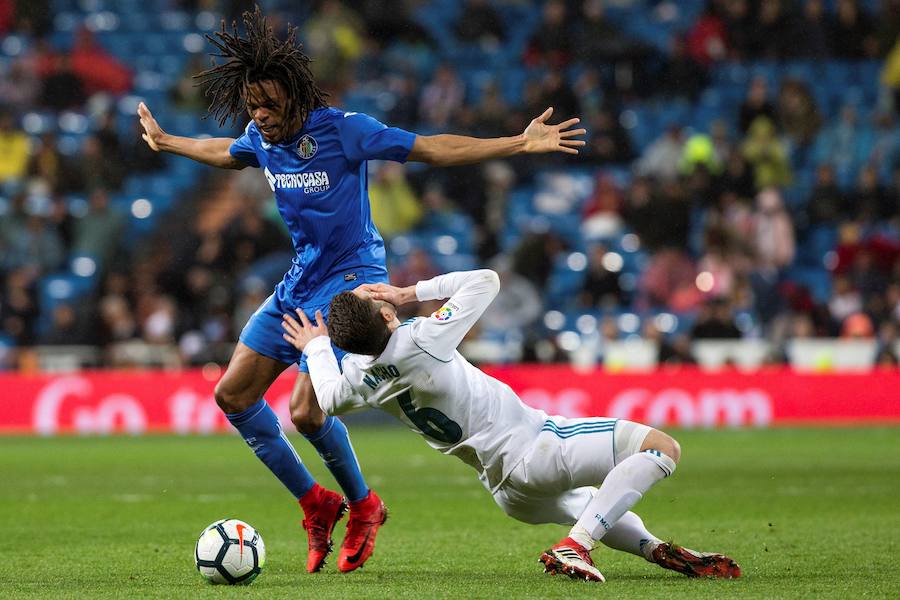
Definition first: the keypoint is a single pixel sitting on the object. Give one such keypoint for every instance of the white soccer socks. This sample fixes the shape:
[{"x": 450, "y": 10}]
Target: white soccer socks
[
  {"x": 622, "y": 488},
  {"x": 631, "y": 535}
]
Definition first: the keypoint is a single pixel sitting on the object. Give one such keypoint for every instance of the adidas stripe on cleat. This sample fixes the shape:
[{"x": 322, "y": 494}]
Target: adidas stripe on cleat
[{"x": 570, "y": 558}]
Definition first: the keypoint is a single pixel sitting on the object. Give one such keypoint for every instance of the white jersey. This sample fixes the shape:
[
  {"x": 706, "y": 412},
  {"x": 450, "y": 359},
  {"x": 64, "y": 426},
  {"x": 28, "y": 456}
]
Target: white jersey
[{"x": 422, "y": 379}]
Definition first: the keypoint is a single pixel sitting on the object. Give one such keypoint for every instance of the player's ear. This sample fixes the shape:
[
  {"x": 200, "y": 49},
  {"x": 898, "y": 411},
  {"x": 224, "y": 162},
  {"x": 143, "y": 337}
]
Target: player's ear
[{"x": 387, "y": 313}]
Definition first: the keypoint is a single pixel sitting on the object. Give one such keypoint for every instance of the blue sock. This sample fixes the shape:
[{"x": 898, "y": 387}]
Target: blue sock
[
  {"x": 261, "y": 430},
  {"x": 333, "y": 444}
]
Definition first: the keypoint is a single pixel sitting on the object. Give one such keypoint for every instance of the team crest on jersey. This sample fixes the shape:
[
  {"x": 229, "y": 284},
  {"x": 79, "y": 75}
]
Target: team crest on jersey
[{"x": 307, "y": 147}]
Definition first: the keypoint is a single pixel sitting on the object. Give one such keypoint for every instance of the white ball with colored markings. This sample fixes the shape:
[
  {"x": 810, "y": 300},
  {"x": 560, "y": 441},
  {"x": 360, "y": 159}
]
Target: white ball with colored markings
[{"x": 230, "y": 552}]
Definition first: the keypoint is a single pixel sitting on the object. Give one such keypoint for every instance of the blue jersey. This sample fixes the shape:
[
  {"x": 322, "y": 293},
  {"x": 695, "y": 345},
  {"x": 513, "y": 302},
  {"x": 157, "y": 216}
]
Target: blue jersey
[{"x": 320, "y": 184}]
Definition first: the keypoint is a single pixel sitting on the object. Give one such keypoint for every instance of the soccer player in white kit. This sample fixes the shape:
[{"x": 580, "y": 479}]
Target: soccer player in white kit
[{"x": 539, "y": 468}]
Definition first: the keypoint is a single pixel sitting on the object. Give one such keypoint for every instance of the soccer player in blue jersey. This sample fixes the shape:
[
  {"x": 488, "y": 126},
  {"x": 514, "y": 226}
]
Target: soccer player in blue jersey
[{"x": 314, "y": 158}]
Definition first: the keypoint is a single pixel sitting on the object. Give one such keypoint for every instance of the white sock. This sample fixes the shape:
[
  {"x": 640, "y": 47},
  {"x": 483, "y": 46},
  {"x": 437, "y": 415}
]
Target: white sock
[
  {"x": 622, "y": 488},
  {"x": 630, "y": 535}
]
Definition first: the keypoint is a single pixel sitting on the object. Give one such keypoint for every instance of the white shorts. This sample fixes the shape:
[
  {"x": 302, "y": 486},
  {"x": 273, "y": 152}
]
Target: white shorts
[{"x": 570, "y": 457}]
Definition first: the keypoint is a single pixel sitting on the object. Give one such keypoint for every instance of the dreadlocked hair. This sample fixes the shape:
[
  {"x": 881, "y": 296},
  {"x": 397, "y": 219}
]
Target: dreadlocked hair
[{"x": 258, "y": 57}]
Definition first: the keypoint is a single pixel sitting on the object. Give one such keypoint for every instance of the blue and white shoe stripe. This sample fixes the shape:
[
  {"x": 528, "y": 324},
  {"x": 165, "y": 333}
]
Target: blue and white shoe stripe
[{"x": 599, "y": 426}]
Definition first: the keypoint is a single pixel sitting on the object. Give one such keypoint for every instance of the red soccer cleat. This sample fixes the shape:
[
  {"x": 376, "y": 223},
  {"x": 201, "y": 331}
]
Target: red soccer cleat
[
  {"x": 570, "y": 558},
  {"x": 366, "y": 516},
  {"x": 323, "y": 509},
  {"x": 695, "y": 564}
]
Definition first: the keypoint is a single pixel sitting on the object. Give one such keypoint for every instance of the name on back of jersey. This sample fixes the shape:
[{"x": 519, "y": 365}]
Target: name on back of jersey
[
  {"x": 311, "y": 182},
  {"x": 378, "y": 373}
]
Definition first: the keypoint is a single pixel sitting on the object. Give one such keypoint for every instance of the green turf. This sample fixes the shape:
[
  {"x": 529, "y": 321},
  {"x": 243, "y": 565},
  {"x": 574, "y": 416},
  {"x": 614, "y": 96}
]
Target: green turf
[{"x": 807, "y": 514}]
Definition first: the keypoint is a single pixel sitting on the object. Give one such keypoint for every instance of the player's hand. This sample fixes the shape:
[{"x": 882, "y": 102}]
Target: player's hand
[
  {"x": 541, "y": 137},
  {"x": 389, "y": 293},
  {"x": 300, "y": 334},
  {"x": 153, "y": 133}
]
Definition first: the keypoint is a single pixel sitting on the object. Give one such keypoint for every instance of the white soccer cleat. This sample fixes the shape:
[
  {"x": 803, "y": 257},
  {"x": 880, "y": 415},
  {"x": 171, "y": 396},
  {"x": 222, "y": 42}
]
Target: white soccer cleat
[{"x": 570, "y": 558}]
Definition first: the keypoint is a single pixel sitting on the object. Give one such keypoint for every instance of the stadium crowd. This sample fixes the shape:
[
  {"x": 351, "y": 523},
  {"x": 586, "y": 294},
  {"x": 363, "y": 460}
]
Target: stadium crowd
[{"x": 775, "y": 215}]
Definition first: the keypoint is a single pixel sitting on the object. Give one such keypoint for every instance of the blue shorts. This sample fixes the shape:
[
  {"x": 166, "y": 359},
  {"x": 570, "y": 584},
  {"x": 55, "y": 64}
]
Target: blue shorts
[{"x": 263, "y": 332}]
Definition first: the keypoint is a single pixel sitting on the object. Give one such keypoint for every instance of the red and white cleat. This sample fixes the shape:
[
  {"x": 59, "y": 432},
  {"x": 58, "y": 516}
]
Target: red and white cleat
[
  {"x": 570, "y": 558},
  {"x": 693, "y": 563},
  {"x": 366, "y": 516},
  {"x": 323, "y": 509}
]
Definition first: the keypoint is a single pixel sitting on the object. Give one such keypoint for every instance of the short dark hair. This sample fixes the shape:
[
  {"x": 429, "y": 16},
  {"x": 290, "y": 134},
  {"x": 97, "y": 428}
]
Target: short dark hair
[
  {"x": 258, "y": 57},
  {"x": 355, "y": 324}
]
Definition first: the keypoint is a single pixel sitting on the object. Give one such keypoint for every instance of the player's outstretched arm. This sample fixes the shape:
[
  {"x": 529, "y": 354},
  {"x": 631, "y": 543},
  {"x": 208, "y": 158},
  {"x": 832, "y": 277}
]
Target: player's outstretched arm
[
  {"x": 539, "y": 137},
  {"x": 212, "y": 151}
]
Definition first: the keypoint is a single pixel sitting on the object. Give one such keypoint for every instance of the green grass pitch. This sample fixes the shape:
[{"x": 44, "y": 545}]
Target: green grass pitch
[{"x": 807, "y": 514}]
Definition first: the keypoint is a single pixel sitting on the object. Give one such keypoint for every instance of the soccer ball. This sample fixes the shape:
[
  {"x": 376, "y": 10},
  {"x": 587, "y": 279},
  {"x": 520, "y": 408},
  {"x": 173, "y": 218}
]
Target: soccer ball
[{"x": 230, "y": 551}]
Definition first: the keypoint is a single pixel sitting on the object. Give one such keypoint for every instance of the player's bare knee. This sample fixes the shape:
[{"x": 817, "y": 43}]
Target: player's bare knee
[
  {"x": 307, "y": 417},
  {"x": 664, "y": 443},
  {"x": 229, "y": 401}
]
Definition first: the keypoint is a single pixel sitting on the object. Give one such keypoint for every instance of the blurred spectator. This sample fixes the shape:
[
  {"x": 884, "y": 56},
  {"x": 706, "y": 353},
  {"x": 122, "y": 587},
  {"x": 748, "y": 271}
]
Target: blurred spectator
[
  {"x": 405, "y": 111},
  {"x": 607, "y": 142},
  {"x": 851, "y": 32},
  {"x": 738, "y": 177},
  {"x": 810, "y": 32},
  {"x": 418, "y": 266},
  {"x": 756, "y": 104},
  {"x": 676, "y": 352},
  {"x": 552, "y": 42},
  {"x": 601, "y": 213},
  {"x": 186, "y": 94},
  {"x": 707, "y": 39},
  {"x": 14, "y": 148},
  {"x": 98, "y": 169},
  {"x": 669, "y": 282},
  {"x": 739, "y": 27},
  {"x": 480, "y": 23},
  {"x": 771, "y": 34},
  {"x": 442, "y": 97},
  {"x": 715, "y": 321},
  {"x": 334, "y": 36},
  {"x": 767, "y": 155},
  {"x": 601, "y": 288},
  {"x": 34, "y": 246},
  {"x": 842, "y": 141},
  {"x": 682, "y": 76},
  {"x": 774, "y": 232},
  {"x": 48, "y": 165},
  {"x": 555, "y": 92},
  {"x": 158, "y": 319},
  {"x": 67, "y": 328},
  {"x": 18, "y": 306},
  {"x": 388, "y": 21},
  {"x": 97, "y": 234},
  {"x": 395, "y": 207},
  {"x": 845, "y": 300},
  {"x": 535, "y": 256},
  {"x": 249, "y": 237},
  {"x": 857, "y": 326},
  {"x": 661, "y": 158},
  {"x": 517, "y": 306},
  {"x": 19, "y": 87},
  {"x": 871, "y": 201},
  {"x": 798, "y": 114},
  {"x": 62, "y": 88},
  {"x": 826, "y": 201},
  {"x": 699, "y": 154},
  {"x": 62, "y": 221},
  {"x": 599, "y": 41}
]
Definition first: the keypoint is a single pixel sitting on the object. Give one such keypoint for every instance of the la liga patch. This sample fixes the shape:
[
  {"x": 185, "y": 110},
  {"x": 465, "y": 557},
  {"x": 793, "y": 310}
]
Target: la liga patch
[{"x": 443, "y": 313}]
